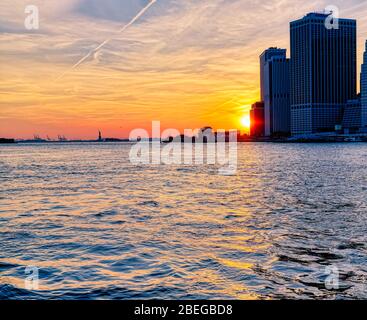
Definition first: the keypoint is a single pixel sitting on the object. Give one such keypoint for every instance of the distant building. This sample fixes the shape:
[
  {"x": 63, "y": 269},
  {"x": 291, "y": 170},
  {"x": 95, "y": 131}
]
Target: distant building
[
  {"x": 6, "y": 141},
  {"x": 323, "y": 72},
  {"x": 265, "y": 57},
  {"x": 206, "y": 134},
  {"x": 206, "y": 130},
  {"x": 364, "y": 91},
  {"x": 257, "y": 126},
  {"x": 352, "y": 118},
  {"x": 275, "y": 91}
]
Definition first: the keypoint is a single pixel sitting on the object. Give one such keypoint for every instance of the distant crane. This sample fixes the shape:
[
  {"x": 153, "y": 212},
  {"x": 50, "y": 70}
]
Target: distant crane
[{"x": 62, "y": 138}]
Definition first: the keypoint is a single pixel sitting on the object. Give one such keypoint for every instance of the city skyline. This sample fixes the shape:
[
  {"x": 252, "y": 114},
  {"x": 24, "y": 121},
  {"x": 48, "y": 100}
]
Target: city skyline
[
  {"x": 314, "y": 91},
  {"x": 187, "y": 65}
]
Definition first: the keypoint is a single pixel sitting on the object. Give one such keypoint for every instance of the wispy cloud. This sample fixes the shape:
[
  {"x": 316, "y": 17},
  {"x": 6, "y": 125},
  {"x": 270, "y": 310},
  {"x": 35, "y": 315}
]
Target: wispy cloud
[
  {"x": 188, "y": 63},
  {"x": 96, "y": 50}
]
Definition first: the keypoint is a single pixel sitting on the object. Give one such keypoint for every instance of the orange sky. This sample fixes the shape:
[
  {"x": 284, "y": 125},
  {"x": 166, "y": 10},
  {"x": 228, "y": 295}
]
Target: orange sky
[{"x": 187, "y": 63}]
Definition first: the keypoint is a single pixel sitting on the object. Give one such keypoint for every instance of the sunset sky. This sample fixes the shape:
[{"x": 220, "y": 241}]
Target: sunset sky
[{"x": 186, "y": 63}]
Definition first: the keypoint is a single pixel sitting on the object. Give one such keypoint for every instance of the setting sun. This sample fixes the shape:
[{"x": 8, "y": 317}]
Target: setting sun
[{"x": 245, "y": 121}]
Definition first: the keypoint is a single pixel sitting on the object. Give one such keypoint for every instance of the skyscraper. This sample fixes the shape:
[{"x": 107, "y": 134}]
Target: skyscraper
[
  {"x": 257, "y": 119},
  {"x": 275, "y": 91},
  {"x": 277, "y": 103},
  {"x": 264, "y": 58},
  {"x": 364, "y": 91},
  {"x": 323, "y": 72}
]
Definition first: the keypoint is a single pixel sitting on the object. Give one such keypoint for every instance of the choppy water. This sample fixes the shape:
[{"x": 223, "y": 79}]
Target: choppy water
[{"x": 100, "y": 228}]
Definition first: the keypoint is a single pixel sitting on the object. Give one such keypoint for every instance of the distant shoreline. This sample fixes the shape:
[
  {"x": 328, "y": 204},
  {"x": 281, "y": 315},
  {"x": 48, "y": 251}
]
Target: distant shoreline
[{"x": 279, "y": 141}]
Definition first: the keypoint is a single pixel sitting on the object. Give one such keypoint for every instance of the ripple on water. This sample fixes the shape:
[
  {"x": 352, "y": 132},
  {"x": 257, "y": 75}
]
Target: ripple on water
[{"x": 104, "y": 229}]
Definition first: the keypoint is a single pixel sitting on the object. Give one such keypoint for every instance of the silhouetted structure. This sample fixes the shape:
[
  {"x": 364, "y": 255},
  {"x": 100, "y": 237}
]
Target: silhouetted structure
[
  {"x": 323, "y": 72},
  {"x": 206, "y": 135},
  {"x": 4, "y": 140},
  {"x": 275, "y": 85},
  {"x": 264, "y": 58},
  {"x": 364, "y": 91},
  {"x": 257, "y": 125},
  {"x": 62, "y": 138}
]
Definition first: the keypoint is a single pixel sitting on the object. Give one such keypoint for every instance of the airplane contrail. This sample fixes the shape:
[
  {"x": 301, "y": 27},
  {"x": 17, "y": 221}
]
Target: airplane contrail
[{"x": 99, "y": 47}]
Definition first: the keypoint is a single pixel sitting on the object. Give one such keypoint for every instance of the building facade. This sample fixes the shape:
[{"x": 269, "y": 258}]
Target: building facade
[
  {"x": 323, "y": 72},
  {"x": 277, "y": 97},
  {"x": 257, "y": 128},
  {"x": 352, "y": 118},
  {"x": 364, "y": 91},
  {"x": 264, "y": 58},
  {"x": 275, "y": 91}
]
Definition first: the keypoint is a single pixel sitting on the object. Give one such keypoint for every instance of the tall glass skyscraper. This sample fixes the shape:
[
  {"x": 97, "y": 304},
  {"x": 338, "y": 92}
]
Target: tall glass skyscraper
[
  {"x": 364, "y": 90},
  {"x": 274, "y": 70},
  {"x": 323, "y": 72},
  {"x": 264, "y": 58}
]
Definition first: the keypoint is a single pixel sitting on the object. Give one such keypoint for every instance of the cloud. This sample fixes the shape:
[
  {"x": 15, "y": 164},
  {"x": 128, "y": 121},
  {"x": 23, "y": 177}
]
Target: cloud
[
  {"x": 115, "y": 10},
  {"x": 94, "y": 52},
  {"x": 195, "y": 61}
]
